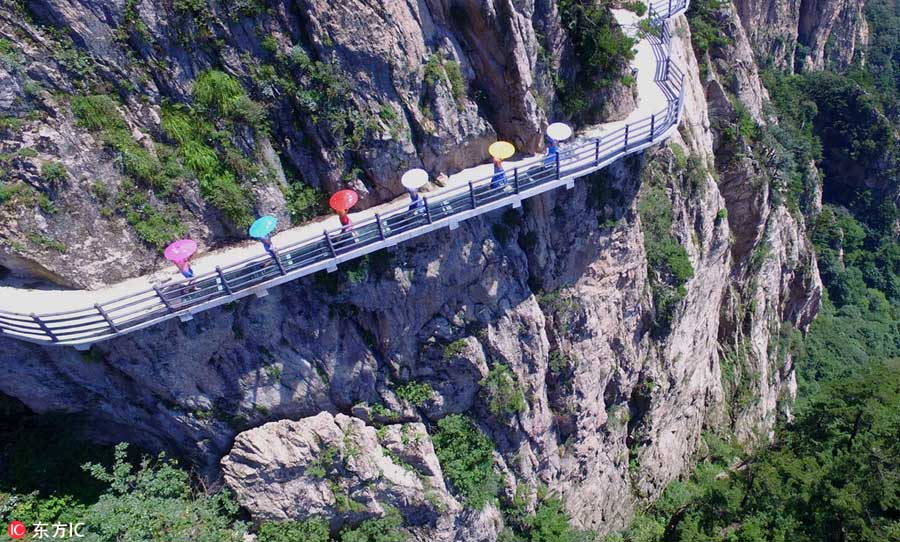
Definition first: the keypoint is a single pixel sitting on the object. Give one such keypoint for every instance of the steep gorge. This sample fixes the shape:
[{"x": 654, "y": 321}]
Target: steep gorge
[{"x": 621, "y": 364}]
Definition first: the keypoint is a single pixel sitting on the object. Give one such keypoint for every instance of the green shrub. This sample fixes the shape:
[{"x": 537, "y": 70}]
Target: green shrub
[
  {"x": 548, "y": 523},
  {"x": 46, "y": 242},
  {"x": 195, "y": 135},
  {"x": 156, "y": 226},
  {"x": 416, "y": 393},
  {"x": 16, "y": 193},
  {"x": 310, "y": 530},
  {"x": 466, "y": 457},
  {"x": 438, "y": 69},
  {"x": 455, "y": 349},
  {"x": 664, "y": 254},
  {"x": 603, "y": 51},
  {"x": 384, "y": 413},
  {"x": 269, "y": 44},
  {"x": 705, "y": 29},
  {"x": 806, "y": 487},
  {"x": 558, "y": 362},
  {"x": 304, "y": 202},
  {"x": 156, "y": 502},
  {"x": 383, "y": 529},
  {"x": 97, "y": 113},
  {"x": 636, "y": 6},
  {"x": 217, "y": 92},
  {"x": 504, "y": 394},
  {"x": 668, "y": 263},
  {"x": 322, "y": 465},
  {"x": 54, "y": 172}
]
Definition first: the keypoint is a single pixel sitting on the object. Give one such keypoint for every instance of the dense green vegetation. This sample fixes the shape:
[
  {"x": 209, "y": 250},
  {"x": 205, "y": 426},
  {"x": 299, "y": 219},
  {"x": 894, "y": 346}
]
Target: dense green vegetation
[
  {"x": 668, "y": 264},
  {"x": 154, "y": 222},
  {"x": 833, "y": 475},
  {"x": 383, "y": 529},
  {"x": 883, "y": 54},
  {"x": 415, "y": 393},
  {"x": 151, "y": 501},
  {"x": 203, "y": 134},
  {"x": 504, "y": 394},
  {"x": 602, "y": 49},
  {"x": 548, "y": 523},
  {"x": 466, "y": 456},
  {"x": 154, "y": 501}
]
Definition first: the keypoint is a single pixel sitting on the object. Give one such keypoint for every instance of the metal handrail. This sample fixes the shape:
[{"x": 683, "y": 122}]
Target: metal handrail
[{"x": 325, "y": 251}]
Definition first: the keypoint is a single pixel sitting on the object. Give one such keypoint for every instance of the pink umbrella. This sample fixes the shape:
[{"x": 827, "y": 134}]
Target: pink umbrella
[
  {"x": 343, "y": 200},
  {"x": 180, "y": 251}
]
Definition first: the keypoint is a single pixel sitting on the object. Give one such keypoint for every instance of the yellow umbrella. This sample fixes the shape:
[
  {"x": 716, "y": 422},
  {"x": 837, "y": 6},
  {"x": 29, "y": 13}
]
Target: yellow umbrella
[{"x": 502, "y": 150}]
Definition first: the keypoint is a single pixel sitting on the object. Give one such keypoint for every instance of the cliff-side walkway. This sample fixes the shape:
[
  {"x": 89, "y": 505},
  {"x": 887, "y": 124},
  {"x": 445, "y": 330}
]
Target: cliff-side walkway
[{"x": 80, "y": 318}]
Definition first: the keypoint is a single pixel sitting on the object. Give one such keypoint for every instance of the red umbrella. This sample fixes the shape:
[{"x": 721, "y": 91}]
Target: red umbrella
[{"x": 343, "y": 200}]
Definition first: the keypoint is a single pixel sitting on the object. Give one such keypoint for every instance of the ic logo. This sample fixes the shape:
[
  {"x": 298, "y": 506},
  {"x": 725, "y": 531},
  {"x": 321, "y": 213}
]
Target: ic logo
[{"x": 16, "y": 530}]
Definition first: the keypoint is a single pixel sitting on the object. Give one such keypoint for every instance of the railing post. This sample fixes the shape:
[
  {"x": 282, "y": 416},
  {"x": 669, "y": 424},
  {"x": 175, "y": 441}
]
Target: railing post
[
  {"x": 557, "y": 165},
  {"x": 668, "y": 65},
  {"x": 472, "y": 195},
  {"x": 516, "y": 180},
  {"x": 428, "y": 211},
  {"x": 163, "y": 299},
  {"x": 330, "y": 244},
  {"x": 597, "y": 151},
  {"x": 224, "y": 282},
  {"x": 626, "y": 137},
  {"x": 380, "y": 227},
  {"x": 652, "y": 125},
  {"x": 670, "y": 8},
  {"x": 44, "y": 327},
  {"x": 106, "y": 317},
  {"x": 277, "y": 257}
]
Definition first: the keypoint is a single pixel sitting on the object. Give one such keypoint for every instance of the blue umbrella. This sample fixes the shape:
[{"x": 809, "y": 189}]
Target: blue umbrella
[{"x": 263, "y": 227}]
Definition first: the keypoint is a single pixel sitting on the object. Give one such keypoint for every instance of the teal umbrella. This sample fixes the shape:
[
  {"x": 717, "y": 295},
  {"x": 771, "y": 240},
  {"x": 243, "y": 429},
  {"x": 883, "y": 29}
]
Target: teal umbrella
[{"x": 263, "y": 227}]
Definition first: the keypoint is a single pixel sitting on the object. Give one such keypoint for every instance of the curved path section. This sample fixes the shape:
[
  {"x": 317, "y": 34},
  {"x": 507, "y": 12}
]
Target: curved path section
[{"x": 470, "y": 193}]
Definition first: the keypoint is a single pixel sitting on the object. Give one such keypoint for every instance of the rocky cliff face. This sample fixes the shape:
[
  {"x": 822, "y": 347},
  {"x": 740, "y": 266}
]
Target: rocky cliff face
[
  {"x": 622, "y": 368},
  {"x": 806, "y": 34},
  {"x": 333, "y": 96}
]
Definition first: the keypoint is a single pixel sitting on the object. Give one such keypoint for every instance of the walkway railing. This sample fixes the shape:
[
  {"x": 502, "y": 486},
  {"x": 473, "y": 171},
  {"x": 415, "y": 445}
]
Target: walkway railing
[{"x": 446, "y": 208}]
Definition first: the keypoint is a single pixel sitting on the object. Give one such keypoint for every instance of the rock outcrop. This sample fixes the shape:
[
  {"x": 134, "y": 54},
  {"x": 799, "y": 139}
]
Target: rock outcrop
[
  {"x": 807, "y": 35},
  {"x": 338, "y": 467},
  {"x": 335, "y": 467}
]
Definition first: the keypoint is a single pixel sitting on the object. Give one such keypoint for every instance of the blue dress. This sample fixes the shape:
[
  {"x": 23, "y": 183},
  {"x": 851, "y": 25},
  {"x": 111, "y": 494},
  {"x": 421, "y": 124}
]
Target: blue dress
[
  {"x": 499, "y": 178},
  {"x": 417, "y": 204},
  {"x": 552, "y": 151}
]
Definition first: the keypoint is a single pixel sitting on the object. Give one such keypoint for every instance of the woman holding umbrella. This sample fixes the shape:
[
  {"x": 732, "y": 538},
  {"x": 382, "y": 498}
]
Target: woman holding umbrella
[
  {"x": 341, "y": 202},
  {"x": 262, "y": 231},
  {"x": 180, "y": 253},
  {"x": 412, "y": 181},
  {"x": 556, "y": 133},
  {"x": 500, "y": 151}
]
